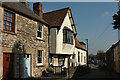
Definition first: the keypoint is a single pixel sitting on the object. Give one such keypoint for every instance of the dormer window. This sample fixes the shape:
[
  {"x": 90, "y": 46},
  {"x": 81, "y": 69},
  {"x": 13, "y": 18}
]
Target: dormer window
[
  {"x": 67, "y": 36},
  {"x": 39, "y": 31},
  {"x": 9, "y": 21}
]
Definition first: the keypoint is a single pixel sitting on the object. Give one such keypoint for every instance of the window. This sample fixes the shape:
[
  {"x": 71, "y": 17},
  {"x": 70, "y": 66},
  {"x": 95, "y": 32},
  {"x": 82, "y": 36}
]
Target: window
[
  {"x": 67, "y": 36},
  {"x": 61, "y": 60},
  {"x": 81, "y": 57},
  {"x": 9, "y": 21},
  {"x": 78, "y": 56},
  {"x": 40, "y": 31},
  {"x": 40, "y": 57},
  {"x": 84, "y": 59}
]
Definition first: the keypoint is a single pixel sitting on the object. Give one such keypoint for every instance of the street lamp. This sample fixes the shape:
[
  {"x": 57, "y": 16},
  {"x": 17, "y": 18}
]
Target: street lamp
[{"x": 87, "y": 51}]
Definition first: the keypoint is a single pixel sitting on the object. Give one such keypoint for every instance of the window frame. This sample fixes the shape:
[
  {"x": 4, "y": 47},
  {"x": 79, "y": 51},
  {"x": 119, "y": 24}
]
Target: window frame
[
  {"x": 38, "y": 64},
  {"x": 67, "y": 33},
  {"x": 78, "y": 56},
  {"x": 11, "y": 20},
  {"x": 41, "y": 31}
]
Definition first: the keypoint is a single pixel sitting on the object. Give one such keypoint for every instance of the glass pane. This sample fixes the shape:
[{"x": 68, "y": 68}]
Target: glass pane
[
  {"x": 64, "y": 38},
  {"x": 4, "y": 17},
  {"x": 4, "y": 22},
  {"x": 10, "y": 28},
  {"x": 11, "y": 15},
  {"x": 4, "y": 12},
  {"x": 38, "y": 53},
  {"x": 7, "y": 18},
  {"x": 11, "y": 20},
  {"x": 38, "y": 27},
  {"x": 10, "y": 24},
  {"x": 8, "y": 14},
  {"x": 7, "y": 23},
  {"x": 39, "y": 34},
  {"x": 7, "y": 28},
  {"x": 39, "y": 56},
  {"x": 4, "y": 27}
]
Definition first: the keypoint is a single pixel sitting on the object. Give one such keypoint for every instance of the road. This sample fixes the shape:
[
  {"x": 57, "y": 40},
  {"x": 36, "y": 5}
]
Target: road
[{"x": 97, "y": 72}]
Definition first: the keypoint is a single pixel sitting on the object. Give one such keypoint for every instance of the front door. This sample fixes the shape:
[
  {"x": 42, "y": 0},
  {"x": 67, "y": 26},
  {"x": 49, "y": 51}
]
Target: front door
[
  {"x": 27, "y": 65},
  {"x": 8, "y": 68}
]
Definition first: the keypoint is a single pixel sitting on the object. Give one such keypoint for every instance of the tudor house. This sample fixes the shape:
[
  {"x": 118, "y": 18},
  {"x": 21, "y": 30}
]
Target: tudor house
[
  {"x": 62, "y": 32},
  {"x": 24, "y": 41}
]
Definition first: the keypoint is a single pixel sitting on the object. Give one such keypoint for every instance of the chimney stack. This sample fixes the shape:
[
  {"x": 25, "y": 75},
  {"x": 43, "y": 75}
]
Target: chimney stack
[
  {"x": 25, "y": 2},
  {"x": 37, "y": 8}
]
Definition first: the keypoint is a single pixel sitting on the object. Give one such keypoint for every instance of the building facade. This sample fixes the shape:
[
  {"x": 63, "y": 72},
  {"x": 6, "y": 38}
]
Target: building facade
[
  {"x": 80, "y": 53},
  {"x": 113, "y": 57},
  {"x": 61, "y": 36},
  {"x": 24, "y": 42}
]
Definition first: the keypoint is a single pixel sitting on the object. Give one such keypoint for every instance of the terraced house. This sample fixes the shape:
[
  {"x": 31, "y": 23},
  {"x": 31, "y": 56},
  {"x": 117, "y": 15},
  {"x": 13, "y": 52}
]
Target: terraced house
[
  {"x": 24, "y": 41},
  {"x": 80, "y": 53}
]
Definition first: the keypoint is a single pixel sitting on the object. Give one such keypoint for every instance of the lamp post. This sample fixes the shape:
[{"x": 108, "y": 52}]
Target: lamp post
[{"x": 87, "y": 51}]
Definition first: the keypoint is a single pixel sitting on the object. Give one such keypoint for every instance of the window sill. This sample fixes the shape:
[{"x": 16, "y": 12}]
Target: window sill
[
  {"x": 68, "y": 43},
  {"x": 40, "y": 65},
  {"x": 9, "y": 32},
  {"x": 41, "y": 39}
]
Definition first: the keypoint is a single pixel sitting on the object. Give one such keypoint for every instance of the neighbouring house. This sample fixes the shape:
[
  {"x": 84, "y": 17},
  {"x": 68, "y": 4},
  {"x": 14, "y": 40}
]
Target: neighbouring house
[
  {"x": 80, "y": 53},
  {"x": 24, "y": 40},
  {"x": 113, "y": 57},
  {"x": 62, "y": 32}
]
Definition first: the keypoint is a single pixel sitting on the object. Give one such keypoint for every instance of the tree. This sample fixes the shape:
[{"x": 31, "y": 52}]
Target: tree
[
  {"x": 100, "y": 55},
  {"x": 91, "y": 56}
]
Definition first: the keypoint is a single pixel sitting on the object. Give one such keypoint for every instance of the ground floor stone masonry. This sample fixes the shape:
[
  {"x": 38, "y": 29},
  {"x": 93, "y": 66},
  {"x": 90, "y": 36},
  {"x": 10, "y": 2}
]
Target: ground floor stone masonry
[{"x": 36, "y": 71}]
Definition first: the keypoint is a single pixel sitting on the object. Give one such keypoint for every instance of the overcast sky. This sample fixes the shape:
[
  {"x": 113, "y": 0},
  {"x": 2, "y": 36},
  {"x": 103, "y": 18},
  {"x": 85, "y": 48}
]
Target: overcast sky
[{"x": 93, "y": 22}]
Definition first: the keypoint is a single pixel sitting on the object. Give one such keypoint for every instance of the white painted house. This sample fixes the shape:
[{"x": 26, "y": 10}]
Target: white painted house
[
  {"x": 80, "y": 53},
  {"x": 62, "y": 32}
]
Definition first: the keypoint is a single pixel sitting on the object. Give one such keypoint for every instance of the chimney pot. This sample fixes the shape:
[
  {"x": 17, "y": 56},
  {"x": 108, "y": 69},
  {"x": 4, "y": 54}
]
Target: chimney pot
[{"x": 25, "y": 2}]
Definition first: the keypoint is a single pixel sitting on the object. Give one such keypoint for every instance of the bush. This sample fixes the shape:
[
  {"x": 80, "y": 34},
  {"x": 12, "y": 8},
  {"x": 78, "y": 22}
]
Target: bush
[{"x": 50, "y": 69}]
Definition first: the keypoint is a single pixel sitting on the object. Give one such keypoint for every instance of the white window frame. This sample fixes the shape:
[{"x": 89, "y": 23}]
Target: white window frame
[
  {"x": 42, "y": 58},
  {"x": 40, "y": 31}
]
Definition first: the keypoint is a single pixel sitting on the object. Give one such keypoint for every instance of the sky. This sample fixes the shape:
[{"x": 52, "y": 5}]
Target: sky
[{"x": 93, "y": 21}]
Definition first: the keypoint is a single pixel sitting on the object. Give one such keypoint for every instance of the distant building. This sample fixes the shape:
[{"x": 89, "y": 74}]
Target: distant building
[{"x": 80, "y": 53}]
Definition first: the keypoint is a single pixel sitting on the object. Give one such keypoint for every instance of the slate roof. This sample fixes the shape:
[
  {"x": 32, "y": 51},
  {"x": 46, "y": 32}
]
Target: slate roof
[
  {"x": 55, "y": 18},
  {"x": 78, "y": 45},
  {"x": 23, "y": 10}
]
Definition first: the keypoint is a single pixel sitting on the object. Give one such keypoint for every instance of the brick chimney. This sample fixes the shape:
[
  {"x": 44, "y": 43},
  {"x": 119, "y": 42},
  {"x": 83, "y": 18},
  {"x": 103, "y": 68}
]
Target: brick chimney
[
  {"x": 25, "y": 2},
  {"x": 37, "y": 8}
]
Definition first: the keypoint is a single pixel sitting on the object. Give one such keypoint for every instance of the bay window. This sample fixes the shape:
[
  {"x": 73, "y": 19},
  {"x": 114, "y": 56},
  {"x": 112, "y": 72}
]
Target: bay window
[{"x": 67, "y": 36}]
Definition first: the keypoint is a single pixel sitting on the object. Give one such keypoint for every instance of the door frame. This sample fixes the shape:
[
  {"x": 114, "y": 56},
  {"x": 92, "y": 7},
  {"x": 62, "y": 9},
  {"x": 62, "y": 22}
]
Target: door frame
[{"x": 30, "y": 64}]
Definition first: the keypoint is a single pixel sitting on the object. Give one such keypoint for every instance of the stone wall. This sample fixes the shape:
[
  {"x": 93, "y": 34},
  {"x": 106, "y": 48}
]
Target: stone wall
[{"x": 26, "y": 34}]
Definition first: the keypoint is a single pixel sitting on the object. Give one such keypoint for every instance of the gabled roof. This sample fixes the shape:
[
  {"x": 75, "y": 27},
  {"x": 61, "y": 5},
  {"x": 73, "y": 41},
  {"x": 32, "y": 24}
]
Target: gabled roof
[
  {"x": 78, "y": 45},
  {"x": 23, "y": 10},
  {"x": 55, "y": 18}
]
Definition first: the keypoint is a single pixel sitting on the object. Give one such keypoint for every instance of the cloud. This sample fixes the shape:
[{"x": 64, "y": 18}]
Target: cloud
[{"x": 106, "y": 13}]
